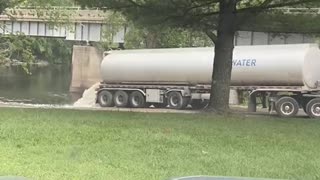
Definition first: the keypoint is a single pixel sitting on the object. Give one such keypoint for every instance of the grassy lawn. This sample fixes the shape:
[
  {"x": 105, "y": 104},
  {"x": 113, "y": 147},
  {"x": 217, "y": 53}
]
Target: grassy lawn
[{"x": 64, "y": 144}]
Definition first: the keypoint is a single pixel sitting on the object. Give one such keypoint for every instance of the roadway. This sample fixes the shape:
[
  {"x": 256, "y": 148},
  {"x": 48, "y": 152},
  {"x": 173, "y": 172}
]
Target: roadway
[{"x": 238, "y": 110}]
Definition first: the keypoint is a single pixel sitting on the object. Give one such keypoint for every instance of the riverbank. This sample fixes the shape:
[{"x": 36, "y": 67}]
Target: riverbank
[{"x": 70, "y": 144}]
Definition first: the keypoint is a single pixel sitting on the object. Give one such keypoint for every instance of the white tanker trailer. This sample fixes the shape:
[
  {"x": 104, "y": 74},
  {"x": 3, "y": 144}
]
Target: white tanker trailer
[{"x": 289, "y": 75}]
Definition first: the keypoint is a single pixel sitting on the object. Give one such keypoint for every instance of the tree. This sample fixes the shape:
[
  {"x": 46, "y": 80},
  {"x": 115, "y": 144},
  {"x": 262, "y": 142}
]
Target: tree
[
  {"x": 223, "y": 16},
  {"x": 5, "y": 46},
  {"x": 29, "y": 50},
  {"x": 164, "y": 37},
  {"x": 7, "y": 3},
  {"x": 45, "y": 3},
  {"x": 140, "y": 37}
]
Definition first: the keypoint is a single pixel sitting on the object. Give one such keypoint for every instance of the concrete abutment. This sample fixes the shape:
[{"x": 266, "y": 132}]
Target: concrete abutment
[{"x": 86, "y": 62}]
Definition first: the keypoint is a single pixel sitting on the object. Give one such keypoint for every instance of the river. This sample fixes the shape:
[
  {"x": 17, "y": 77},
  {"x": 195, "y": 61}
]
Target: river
[{"x": 46, "y": 85}]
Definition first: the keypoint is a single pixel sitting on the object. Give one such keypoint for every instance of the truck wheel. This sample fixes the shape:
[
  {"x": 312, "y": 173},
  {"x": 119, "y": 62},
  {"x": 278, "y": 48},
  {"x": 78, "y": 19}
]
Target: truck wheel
[
  {"x": 199, "y": 104},
  {"x": 177, "y": 101},
  {"x": 287, "y": 107},
  {"x": 137, "y": 100},
  {"x": 313, "y": 108},
  {"x": 121, "y": 99},
  {"x": 105, "y": 99}
]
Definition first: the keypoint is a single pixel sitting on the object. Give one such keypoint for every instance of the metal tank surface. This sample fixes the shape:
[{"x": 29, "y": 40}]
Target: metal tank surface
[{"x": 271, "y": 65}]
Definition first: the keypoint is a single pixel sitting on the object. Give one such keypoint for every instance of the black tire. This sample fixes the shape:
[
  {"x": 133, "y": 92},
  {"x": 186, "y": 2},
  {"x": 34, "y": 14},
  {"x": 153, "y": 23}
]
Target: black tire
[
  {"x": 121, "y": 99},
  {"x": 137, "y": 100},
  {"x": 105, "y": 98},
  {"x": 304, "y": 107},
  {"x": 177, "y": 101},
  {"x": 304, "y": 103},
  {"x": 313, "y": 108},
  {"x": 287, "y": 107},
  {"x": 199, "y": 104}
]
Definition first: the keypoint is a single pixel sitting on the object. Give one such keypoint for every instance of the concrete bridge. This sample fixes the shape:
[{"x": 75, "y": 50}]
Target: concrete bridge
[
  {"x": 73, "y": 24},
  {"x": 89, "y": 25}
]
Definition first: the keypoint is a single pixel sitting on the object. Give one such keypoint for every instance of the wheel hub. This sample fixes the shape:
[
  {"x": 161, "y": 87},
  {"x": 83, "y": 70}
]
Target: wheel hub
[
  {"x": 120, "y": 99},
  {"x": 174, "y": 101},
  {"x": 315, "y": 109},
  {"x": 287, "y": 108},
  {"x": 105, "y": 98},
  {"x": 136, "y": 101}
]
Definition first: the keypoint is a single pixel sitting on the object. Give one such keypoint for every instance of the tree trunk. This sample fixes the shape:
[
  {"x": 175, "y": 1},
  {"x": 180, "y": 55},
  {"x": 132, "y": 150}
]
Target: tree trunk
[
  {"x": 151, "y": 39},
  {"x": 221, "y": 75}
]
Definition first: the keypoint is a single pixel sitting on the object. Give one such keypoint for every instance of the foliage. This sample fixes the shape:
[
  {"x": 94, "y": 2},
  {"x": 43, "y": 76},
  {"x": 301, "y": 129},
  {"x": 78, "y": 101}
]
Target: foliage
[
  {"x": 17, "y": 48},
  {"x": 280, "y": 22},
  {"x": 47, "y": 3},
  {"x": 56, "y": 51},
  {"x": 29, "y": 50},
  {"x": 23, "y": 50},
  {"x": 138, "y": 36},
  {"x": 114, "y": 23},
  {"x": 7, "y": 4},
  {"x": 164, "y": 37}
]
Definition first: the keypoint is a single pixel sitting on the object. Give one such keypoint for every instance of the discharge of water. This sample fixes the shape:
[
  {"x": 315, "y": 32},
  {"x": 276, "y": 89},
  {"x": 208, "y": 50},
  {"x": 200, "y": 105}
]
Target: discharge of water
[{"x": 88, "y": 98}]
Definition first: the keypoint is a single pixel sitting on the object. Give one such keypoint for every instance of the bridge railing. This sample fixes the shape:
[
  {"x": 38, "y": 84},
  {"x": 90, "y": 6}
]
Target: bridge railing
[
  {"x": 71, "y": 8},
  {"x": 72, "y": 14},
  {"x": 78, "y": 8}
]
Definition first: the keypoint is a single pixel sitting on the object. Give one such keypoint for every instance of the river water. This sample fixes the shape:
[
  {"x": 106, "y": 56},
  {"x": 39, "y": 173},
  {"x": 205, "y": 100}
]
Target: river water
[{"x": 45, "y": 85}]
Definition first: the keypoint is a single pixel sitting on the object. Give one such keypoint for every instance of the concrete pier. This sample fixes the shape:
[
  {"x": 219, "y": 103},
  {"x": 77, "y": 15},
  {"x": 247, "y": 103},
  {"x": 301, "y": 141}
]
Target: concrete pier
[{"x": 86, "y": 62}]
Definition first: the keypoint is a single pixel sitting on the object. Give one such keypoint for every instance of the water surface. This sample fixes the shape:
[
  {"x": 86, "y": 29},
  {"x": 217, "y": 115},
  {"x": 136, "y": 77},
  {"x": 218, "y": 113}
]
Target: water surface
[{"x": 46, "y": 85}]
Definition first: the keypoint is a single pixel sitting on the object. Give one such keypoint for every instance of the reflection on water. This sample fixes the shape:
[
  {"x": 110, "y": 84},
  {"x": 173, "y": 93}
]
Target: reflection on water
[{"x": 46, "y": 85}]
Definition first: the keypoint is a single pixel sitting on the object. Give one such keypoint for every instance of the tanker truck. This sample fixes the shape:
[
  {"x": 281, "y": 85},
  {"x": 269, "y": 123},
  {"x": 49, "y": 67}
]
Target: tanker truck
[{"x": 288, "y": 76}]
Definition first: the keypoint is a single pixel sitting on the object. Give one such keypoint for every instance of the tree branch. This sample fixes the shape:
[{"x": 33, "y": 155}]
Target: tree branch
[
  {"x": 211, "y": 35},
  {"x": 270, "y": 6}
]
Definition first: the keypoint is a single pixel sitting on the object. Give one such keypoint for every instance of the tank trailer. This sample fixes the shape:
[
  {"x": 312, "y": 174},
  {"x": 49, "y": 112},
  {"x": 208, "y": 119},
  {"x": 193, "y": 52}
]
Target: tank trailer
[{"x": 286, "y": 76}]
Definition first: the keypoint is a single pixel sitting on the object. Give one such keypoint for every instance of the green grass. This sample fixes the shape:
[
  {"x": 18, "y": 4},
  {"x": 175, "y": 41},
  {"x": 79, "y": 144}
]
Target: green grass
[{"x": 64, "y": 144}]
